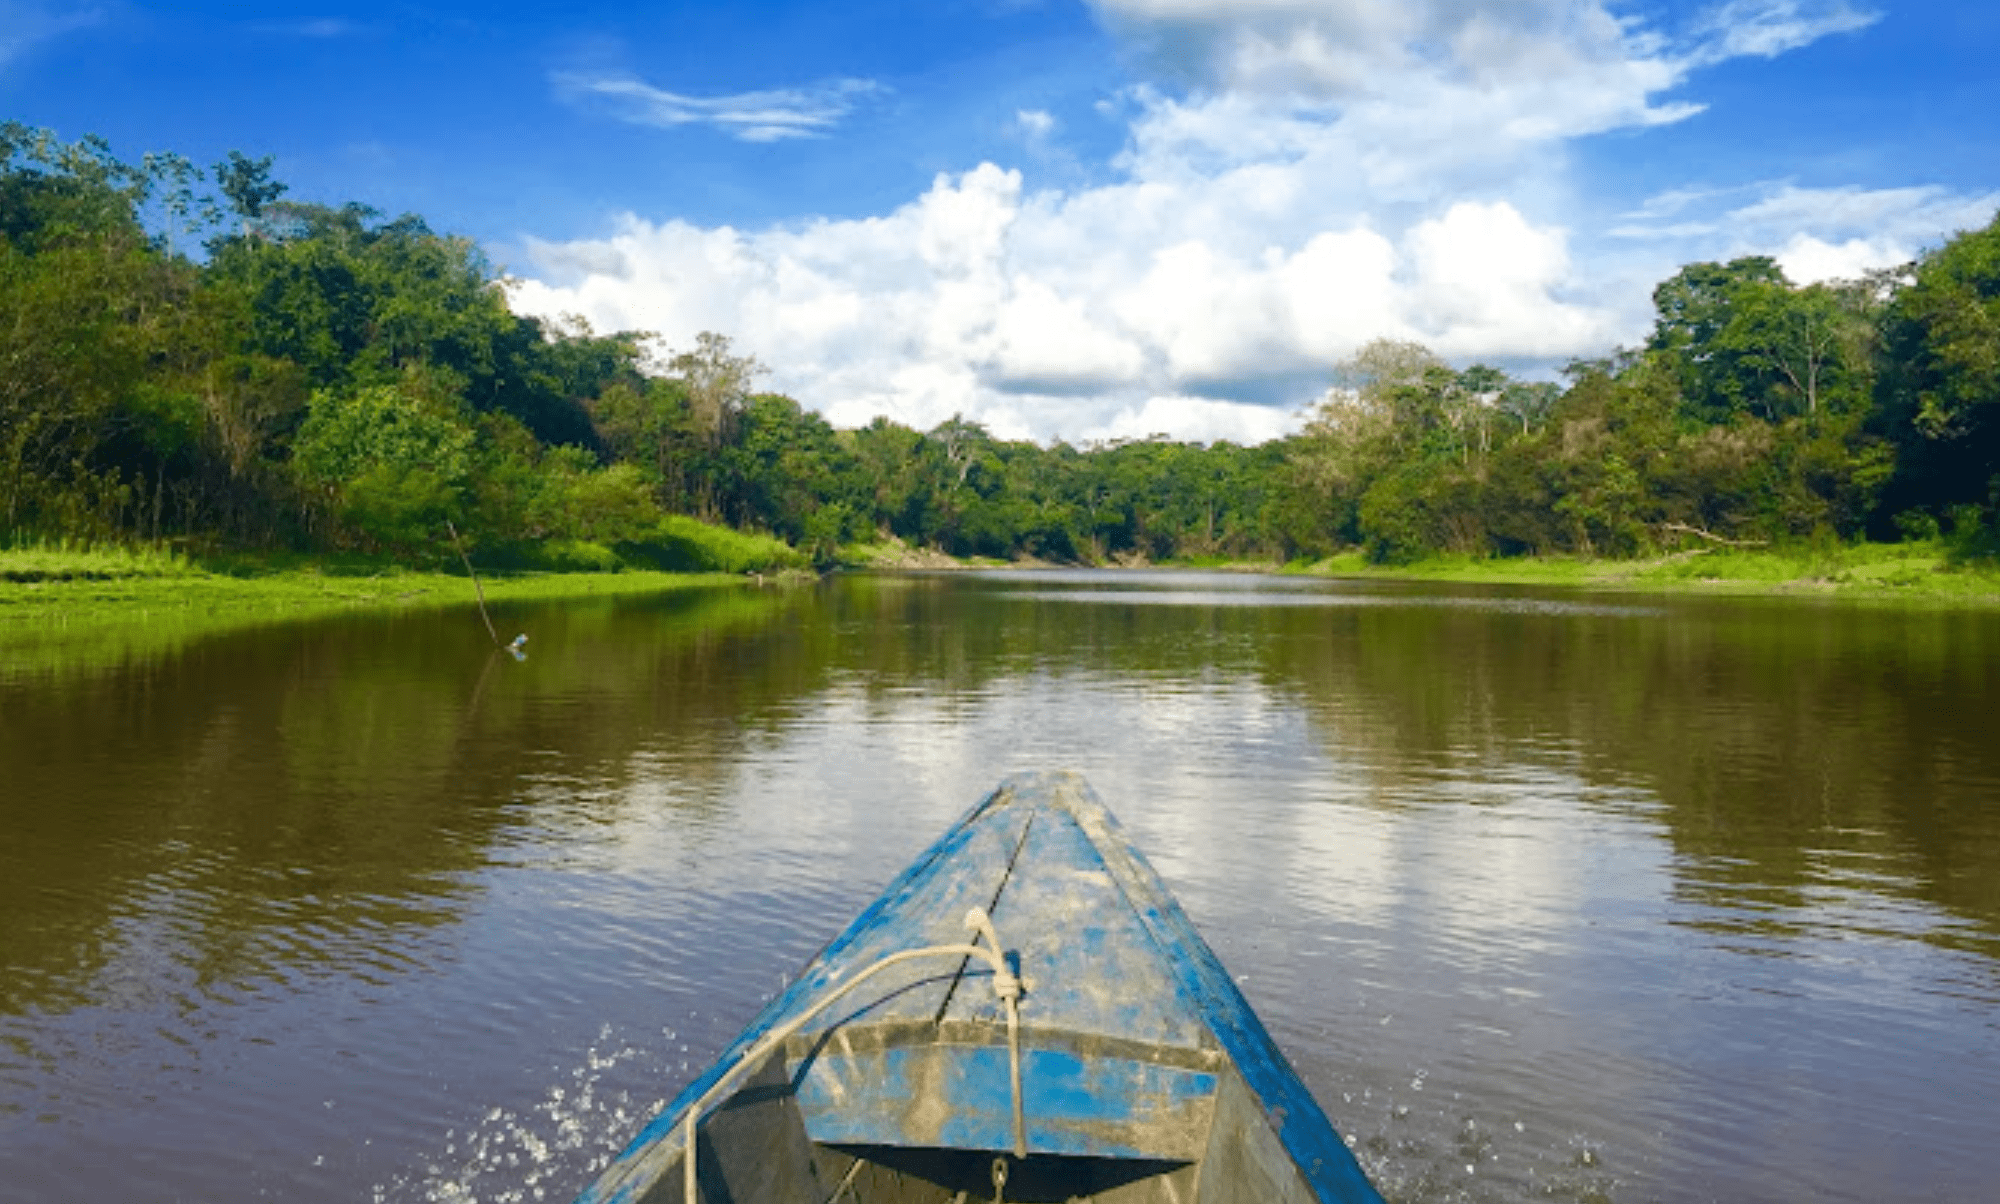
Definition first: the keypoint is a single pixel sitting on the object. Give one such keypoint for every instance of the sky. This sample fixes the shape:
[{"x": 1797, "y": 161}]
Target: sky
[{"x": 1078, "y": 219}]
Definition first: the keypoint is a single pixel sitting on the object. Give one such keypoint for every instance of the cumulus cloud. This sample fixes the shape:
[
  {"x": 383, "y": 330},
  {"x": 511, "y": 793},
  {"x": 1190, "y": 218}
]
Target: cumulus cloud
[
  {"x": 1302, "y": 176},
  {"x": 1175, "y": 415},
  {"x": 1809, "y": 260},
  {"x": 1346, "y": 50},
  {"x": 766, "y": 116},
  {"x": 1030, "y": 312}
]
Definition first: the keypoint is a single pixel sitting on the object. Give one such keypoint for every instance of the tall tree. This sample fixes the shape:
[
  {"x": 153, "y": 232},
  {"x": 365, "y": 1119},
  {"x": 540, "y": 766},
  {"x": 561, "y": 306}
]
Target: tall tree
[
  {"x": 1941, "y": 396},
  {"x": 717, "y": 381},
  {"x": 247, "y": 185},
  {"x": 1694, "y": 307}
]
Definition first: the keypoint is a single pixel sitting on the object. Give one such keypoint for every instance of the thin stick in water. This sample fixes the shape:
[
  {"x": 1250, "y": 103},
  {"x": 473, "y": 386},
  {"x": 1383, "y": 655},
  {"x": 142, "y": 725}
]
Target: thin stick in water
[{"x": 477, "y": 592}]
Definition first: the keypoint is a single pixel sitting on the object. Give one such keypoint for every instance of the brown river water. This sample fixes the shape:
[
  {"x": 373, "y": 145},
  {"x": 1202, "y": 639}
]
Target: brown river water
[{"x": 1546, "y": 895}]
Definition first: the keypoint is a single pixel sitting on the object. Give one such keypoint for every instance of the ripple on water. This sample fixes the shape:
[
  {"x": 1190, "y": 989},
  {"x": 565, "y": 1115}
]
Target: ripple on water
[{"x": 1545, "y": 898}]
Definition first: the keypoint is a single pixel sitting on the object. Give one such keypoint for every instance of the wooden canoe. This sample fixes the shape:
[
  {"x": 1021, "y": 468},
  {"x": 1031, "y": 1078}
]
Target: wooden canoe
[{"x": 1135, "y": 1071}]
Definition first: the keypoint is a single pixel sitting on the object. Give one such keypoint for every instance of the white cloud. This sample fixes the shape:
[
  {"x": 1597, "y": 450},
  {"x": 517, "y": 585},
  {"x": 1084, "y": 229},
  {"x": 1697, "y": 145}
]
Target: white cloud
[
  {"x": 1815, "y": 233},
  {"x": 327, "y": 27},
  {"x": 1900, "y": 213},
  {"x": 1342, "y": 50},
  {"x": 1035, "y": 124},
  {"x": 1202, "y": 418},
  {"x": 1768, "y": 28},
  {"x": 312, "y": 27},
  {"x": 1077, "y": 313},
  {"x": 1325, "y": 172},
  {"x": 1044, "y": 342},
  {"x": 1489, "y": 283},
  {"x": 1809, "y": 260},
  {"x": 766, "y": 116}
]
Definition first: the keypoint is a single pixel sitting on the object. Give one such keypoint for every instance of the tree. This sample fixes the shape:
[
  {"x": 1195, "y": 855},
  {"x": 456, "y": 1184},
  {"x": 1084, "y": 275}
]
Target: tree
[
  {"x": 1528, "y": 402},
  {"x": 1940, "y": 398},
  {"x": 86, "y": 304},
  {"x": 248, "y": 186},
  {"x": 717, "y": 383},
  {"x": 384, "y": 466},
  {"x": 1694, "y": 307},
  {"x": 1788, "y": 346}
]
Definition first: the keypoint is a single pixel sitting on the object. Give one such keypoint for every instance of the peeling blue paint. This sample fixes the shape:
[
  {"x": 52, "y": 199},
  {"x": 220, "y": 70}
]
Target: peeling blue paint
[
  {"x": 1107, "y": 1107},
  {"x": 1127, "y": 1017}
]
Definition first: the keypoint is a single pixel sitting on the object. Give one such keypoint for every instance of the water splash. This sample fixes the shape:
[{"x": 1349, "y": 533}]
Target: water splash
[{"x": 547, "y": 1150}]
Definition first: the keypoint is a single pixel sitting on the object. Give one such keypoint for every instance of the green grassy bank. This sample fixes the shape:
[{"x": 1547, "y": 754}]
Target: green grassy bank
[
  {"x": 45, "y": 587},
  {"x": 44, "y": 579},
  {"x": 1927, "y": 571},
  {"x": 67, "y": 608},
  {"x": 1916, "y": 571}
]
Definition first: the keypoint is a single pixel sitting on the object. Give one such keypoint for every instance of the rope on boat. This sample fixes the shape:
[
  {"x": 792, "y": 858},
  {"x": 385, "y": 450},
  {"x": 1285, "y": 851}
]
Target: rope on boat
[
  {"x": 847, "y": 1181},
  {"x": 1006, "y": 988}
]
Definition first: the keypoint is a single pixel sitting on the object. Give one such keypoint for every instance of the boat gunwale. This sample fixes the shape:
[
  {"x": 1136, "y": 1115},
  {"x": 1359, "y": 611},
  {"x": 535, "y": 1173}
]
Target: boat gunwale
[
  {"x": 661, "y": 1128},
  {"x": 1199, "y": 979}
]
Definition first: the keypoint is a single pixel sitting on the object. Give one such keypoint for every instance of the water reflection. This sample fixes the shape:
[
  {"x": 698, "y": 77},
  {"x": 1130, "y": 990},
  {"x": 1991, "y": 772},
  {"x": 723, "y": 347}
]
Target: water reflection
[
  {"x": 1194, "y": 589},
  {"x": 1547, "y": 897}
]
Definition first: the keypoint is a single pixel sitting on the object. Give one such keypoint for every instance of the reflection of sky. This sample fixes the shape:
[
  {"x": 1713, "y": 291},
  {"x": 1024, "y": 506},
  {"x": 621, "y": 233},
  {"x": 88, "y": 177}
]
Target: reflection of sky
[
  {"x": 1488, "y": 938},
  {"x": 1327, "y": 599},
  {"x": 1465, "y": 941}
]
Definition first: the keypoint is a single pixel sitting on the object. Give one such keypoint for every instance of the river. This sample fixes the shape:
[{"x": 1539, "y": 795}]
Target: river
[{"x": 1547, "y": 895}]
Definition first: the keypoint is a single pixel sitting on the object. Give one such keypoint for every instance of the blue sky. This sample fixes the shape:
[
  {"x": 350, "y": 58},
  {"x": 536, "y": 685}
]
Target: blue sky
[{"x": 1079, "y": 219}]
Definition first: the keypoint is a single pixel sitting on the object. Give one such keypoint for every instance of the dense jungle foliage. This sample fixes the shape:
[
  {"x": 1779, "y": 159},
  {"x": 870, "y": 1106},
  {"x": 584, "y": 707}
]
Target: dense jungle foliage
[{"x": 185, "y": 354}]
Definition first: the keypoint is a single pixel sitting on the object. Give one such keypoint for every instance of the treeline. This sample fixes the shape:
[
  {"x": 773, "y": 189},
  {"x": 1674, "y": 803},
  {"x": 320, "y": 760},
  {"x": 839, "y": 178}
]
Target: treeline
[
  {"x": 187, "y": 354},
  {"x": 321, "y": 378},
  {"x": 1758, "y": 411}
]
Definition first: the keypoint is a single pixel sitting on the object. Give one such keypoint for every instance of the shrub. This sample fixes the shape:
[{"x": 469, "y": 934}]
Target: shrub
[{"x": 685, "y": 545}]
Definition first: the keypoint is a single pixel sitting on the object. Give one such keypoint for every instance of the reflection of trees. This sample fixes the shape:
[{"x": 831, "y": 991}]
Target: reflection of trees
[
  {"x": 295, "y": 800},
  {"x": 311, "y": 798},
  {"x": 1791, "y": 745},
  {"x": 1794, "y": 747},
  {"x": 314, "y": 799}
]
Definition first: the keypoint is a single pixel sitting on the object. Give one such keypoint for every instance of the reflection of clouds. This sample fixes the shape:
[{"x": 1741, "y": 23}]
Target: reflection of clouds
[
  {"x": 1348, "y": 860},
  {"x": 1215, "y": 775},
  {"x": 1514, "y": 888},
  {"x": 1334, "y": 596},
  {"x": 1678, "y": 893},
  {"x": 1441, "y": 872}
]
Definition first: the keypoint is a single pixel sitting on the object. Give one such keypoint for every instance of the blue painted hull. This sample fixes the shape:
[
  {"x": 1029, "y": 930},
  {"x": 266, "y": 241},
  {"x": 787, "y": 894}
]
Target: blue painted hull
[{"x": 1138, "y": 1058}]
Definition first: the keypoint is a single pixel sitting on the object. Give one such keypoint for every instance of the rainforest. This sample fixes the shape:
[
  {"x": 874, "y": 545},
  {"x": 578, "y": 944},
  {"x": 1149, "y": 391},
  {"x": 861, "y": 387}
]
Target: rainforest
[{"x": 193, "y": 360}]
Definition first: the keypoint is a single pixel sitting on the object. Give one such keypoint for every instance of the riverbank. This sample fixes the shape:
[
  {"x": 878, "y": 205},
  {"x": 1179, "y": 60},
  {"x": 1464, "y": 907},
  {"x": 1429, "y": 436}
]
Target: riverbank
[
  {"x": 1914, "y": 572},
  {"x": 79, "y": 607},
  {"x": 56, "y": 595},
  {"x": 40, "y": 587},
  {"x": 73, "y": 586},
  {"x": 894, "y": 555}
]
